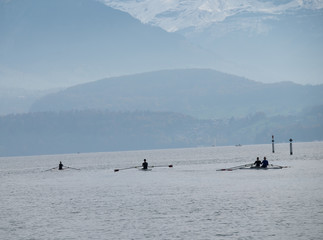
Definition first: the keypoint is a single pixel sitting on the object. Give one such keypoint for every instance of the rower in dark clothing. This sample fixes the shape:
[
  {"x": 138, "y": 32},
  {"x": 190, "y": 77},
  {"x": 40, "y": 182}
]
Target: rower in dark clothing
[
  {"x": 264, "y": 163},
  {"x": 145, "y": 164},
  {"x": 257, "y": 162},
  {"x": 60, "y": 166}
]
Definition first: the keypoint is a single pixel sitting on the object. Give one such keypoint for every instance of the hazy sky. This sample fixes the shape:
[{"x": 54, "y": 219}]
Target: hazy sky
[{"x": 49, "y": 44}]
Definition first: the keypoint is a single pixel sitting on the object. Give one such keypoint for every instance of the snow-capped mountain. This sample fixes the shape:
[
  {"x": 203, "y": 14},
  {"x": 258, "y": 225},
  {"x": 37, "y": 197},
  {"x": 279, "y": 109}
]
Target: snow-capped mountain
[
  {"x": 174, "y": 15},
  {"x": 60, "y": 43},
  {"x": 265, "y": 40}
]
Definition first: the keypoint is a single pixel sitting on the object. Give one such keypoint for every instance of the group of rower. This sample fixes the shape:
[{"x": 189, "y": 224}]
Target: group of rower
[
  {"x": 258, "y": 164},
  {"x": 261, "y": 164}
]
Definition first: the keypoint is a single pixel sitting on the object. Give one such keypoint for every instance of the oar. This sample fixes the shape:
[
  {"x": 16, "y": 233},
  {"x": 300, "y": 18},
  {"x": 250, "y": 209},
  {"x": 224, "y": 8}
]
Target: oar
[
  {"x": 117, "y": 170},
  {"x": 170, "y": 166}
]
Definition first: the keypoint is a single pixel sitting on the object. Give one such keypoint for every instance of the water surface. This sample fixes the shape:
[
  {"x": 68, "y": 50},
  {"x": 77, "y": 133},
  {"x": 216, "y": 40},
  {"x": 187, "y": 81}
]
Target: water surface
[{"x": 189, "y": 201}]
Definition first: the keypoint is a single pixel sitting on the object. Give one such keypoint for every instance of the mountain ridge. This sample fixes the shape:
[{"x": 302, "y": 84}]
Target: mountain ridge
[{"x": 201, "y": 93}]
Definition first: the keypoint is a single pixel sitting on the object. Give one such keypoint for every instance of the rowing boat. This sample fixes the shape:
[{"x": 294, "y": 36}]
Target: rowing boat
[
  {"x": 251, "y": 166},
  {"x": 60, "y": 169},
  {"x": 262, "y": 168},
  {"x": 143, "y": 169}
]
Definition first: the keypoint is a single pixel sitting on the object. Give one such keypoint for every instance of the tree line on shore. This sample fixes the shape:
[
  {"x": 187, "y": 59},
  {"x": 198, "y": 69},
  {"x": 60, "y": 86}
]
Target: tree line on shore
[{"x": 103, "y": 130}]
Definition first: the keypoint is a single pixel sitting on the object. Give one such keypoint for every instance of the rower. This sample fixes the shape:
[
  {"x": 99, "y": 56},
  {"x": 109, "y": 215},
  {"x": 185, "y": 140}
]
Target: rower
[
  {"x": 60, "y": 166},
  {"x": 145, "y": 164},
  {"x": 264, "y": 163},
  {"x": 257, "y": 162}
]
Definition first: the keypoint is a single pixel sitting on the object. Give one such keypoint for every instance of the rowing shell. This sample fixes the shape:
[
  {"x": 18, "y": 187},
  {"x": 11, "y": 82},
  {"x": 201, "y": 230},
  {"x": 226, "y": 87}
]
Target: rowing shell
[
  {"x": 252, "y": 167},
  {"x": 262, "y": 168},
  {"x": 64, "y": 168},
  {"x": 142, "y": 169}
]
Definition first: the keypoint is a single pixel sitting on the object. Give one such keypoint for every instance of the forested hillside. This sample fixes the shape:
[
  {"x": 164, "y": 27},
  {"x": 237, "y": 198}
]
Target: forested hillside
[{"x": 100, "y": 131}]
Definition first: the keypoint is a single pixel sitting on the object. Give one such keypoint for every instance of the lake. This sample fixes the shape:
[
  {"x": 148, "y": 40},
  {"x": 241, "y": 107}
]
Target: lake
[{"x": 190, "y": 200}]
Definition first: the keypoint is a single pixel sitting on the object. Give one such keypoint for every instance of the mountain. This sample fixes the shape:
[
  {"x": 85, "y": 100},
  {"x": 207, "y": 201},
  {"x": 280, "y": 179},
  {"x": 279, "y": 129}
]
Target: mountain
[
  {"x": 200, "y": 93},
  {"x": 51, "y": 44},
  {"x": 183, "y": 14},
  {"x": 286, "y": 47},
  {"x": 264, "y": 40}
]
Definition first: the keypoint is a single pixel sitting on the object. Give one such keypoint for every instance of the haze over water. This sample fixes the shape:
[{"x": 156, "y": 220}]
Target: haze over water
[{"x": 189, "y": 201}]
